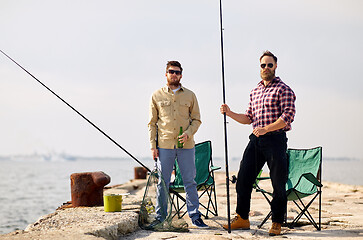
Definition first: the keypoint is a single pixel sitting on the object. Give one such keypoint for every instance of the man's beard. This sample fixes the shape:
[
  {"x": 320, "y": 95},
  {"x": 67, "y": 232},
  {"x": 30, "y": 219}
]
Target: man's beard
[
  {"x": 268, "y": 75},
  {"x": 174, "y": 83}
]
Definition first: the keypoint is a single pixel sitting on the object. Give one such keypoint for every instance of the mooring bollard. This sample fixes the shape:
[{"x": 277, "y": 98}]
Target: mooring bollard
[
  {"x": 140, "y": 173},
  {"x": 87, "y": 188}
]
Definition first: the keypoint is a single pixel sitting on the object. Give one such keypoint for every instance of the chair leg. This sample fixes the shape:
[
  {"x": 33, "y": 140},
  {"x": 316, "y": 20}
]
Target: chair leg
[
  {"x": 173, "y": 205},
  {"x": 215, "y": 199},
  {"x": 264, "y": 220},
  {"x": 304, "y": 211},
  {"x": 177, "y": 207},
  {"x": 207, "y": 208},
  {"x": 177, "y": 204},
  {"x": 201, "y": 204},
  {"x": 319, "y": 209},
  {"x": 210, "y": 207},
  {"x": 213, "y": 205},
  {"x": 269, "y": 202},
  {"x": 182, "y": 206},
  {"x": 210, "y": 204}
]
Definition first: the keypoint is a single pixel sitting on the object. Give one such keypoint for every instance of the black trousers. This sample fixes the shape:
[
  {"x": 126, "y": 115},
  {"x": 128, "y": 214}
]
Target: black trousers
[{"x": 270, "y": 148}]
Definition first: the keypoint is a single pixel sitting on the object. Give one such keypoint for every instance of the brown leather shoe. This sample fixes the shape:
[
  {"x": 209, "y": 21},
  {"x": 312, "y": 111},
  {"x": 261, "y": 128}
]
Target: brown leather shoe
[
  {"x": 275, "y": 229},
  {"x": 238, "y": 223}
]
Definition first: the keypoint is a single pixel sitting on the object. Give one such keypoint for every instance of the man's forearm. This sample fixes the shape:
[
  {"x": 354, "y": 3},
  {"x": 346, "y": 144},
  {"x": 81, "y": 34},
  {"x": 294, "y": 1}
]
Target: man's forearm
[
  {"x": 239, "y": 117},
  {"x": 277, "y": 125}
]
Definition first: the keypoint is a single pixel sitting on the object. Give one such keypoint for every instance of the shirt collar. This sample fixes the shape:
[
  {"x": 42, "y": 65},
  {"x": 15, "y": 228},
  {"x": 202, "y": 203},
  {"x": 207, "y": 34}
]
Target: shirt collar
[{"x": 167, "y": 89}]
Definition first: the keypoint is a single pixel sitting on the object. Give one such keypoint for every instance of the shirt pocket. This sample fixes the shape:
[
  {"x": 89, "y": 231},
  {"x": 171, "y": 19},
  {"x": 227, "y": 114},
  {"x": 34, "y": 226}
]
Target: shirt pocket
[
  {"x": 184, "y": 107},
  {"x": 164, "y": 108}
]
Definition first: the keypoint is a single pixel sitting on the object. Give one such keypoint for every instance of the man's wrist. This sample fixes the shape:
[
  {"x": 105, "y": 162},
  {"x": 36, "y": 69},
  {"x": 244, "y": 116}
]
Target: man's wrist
[
  {"x": 266, "y": 128},
  {"x": 186, "y": 134}
]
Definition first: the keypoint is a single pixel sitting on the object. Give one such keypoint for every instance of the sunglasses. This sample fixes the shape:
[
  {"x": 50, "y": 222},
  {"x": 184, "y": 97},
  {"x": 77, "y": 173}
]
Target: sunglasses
[
  {"x": 270, "y": 65},
  {"x": 177, "y": 72}
]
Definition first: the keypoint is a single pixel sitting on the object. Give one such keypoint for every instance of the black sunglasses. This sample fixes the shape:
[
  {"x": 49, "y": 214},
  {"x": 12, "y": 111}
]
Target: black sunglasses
[
  {"x": 270, "y": 65},
  {"x": 177, "y": 72}
]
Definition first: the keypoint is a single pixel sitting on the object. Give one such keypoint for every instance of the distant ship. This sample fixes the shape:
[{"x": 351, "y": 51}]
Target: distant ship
[{"x": 36, "y": 157}]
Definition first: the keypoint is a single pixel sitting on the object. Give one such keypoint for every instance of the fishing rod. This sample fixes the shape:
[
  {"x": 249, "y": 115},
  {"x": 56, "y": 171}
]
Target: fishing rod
[
  {"x": 225, "y": 121},
  {"x": 76, "y": 111}
]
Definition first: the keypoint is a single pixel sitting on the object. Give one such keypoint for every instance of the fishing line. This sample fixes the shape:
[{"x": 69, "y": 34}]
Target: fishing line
[
  {"x": 77, "y": 112},
  {"x": 225, "y": 121}
]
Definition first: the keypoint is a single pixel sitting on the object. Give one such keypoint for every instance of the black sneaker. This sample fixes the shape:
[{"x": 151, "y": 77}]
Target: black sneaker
[{"x": 199, "y": 223}]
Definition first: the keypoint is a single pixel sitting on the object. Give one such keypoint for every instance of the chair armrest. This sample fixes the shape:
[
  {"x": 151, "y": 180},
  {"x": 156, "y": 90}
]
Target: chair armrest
[
  {"x": 263, "y": 178},
  {"x": 214, "y": 168},
  {"x": 310, "y": 177}
]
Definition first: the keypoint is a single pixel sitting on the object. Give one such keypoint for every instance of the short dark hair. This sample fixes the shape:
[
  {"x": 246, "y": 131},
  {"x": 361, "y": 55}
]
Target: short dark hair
[
  {"x": 175, "y": 64},
  {"x": 270, "y": 54}
]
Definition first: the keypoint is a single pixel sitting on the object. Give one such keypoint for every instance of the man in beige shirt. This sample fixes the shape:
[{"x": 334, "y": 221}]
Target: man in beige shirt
[{"x": 171, "y": 108}]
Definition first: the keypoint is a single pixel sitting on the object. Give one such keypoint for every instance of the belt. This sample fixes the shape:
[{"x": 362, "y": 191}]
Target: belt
[{"x": 274, "y": 133}]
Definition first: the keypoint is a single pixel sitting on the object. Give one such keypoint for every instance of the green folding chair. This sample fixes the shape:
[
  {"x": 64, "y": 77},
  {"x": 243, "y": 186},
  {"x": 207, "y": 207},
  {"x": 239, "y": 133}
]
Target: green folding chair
[
  {"x": 204, "y": 179},
  {"x": 304, "y": 180}
]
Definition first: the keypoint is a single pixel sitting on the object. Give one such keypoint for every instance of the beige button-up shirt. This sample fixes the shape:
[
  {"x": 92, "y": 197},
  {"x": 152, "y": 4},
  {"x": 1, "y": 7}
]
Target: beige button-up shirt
[{"x": 168, "y": 112}]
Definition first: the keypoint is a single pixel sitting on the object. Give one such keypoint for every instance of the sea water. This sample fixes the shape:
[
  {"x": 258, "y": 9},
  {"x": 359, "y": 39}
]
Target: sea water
[{"x": 31, "y": 187}]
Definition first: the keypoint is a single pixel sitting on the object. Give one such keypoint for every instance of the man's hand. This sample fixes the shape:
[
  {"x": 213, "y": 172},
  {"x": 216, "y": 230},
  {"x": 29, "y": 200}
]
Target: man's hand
[
  {"x": 183, "y": 138},
  {"x": 277, "y": 125},
  {"x": 239, "y": 117},
  {"x": 155, "y": 153},
  {"x": 258, "y": 131},
  {"x": 225, "y": 109}
]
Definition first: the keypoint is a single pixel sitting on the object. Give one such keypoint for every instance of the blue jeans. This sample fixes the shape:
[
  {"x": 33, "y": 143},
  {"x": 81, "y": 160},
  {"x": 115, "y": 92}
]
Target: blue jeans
[{"x": 186, "y": 162}]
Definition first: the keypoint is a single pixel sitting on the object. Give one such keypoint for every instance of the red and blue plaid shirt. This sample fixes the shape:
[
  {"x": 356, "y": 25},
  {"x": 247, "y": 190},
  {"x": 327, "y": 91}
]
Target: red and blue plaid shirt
[{"x": 269, "y": 103}]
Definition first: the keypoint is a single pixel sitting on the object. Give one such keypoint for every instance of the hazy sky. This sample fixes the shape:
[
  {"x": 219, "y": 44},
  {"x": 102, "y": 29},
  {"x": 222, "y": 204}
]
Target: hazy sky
[{"x": 107, "y": 57}]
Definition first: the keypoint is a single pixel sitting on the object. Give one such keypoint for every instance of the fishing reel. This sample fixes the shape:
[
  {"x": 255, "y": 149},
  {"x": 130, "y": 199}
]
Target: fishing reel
[{"x": 233, "y": 179}]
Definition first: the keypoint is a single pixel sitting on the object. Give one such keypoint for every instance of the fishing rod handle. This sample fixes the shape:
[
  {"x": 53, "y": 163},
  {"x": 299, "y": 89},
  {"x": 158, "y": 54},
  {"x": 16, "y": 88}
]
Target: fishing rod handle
[{"x": 155, "y": 163}]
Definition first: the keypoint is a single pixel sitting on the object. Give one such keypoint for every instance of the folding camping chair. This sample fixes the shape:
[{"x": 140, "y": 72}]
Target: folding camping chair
[
  {"x": 304, "y": 180},
  {"x": 204, "y": 179}
]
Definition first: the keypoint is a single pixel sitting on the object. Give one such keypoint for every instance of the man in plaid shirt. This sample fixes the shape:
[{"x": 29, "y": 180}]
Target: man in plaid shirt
[{"x": 271, "y": 111}]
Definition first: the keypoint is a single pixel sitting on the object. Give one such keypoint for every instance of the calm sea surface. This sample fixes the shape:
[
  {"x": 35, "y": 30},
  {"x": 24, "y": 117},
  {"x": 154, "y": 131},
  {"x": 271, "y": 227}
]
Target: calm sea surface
[{"x": 31, "y": 188}]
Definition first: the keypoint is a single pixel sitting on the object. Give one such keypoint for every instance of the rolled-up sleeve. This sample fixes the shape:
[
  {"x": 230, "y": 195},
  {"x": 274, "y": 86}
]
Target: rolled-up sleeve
[
  {"x": 288, "y": 106},
  {"x": 249, "y": 109}
]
